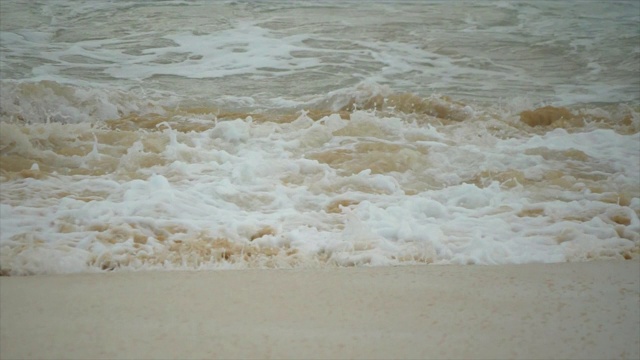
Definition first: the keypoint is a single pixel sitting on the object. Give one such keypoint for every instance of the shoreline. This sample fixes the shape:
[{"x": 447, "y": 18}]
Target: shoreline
[{"x": 567, "y": 310}]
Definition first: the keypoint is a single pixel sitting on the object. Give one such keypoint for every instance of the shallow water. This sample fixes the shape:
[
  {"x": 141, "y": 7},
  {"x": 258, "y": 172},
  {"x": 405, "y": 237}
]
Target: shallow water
[{"x": 202, "y": 135}]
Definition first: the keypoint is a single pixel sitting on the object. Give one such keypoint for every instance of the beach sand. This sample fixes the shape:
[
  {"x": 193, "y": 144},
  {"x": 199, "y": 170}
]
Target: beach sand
[{"x": 562, "y": 311}]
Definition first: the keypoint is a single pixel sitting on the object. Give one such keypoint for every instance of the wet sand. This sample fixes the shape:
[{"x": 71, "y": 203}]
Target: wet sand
[{"x": 562, "y": 311}]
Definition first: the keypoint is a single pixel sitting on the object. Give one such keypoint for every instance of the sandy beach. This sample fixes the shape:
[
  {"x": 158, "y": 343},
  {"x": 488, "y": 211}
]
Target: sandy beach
[{"x": 577, "y": 310}]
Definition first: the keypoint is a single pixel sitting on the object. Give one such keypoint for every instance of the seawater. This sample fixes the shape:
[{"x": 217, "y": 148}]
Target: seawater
[{"x": 244, "y": 134}]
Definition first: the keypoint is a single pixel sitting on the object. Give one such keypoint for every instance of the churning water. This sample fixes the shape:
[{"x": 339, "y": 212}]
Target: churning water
[{"x": 206, "y": 134}]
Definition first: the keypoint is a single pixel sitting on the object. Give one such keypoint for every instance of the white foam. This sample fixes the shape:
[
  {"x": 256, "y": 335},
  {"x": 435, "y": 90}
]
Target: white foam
[
  {"x": 207, "y": 189},
  {"x": 605, "y": 145},
  {"x": 235, "y": 187}
]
